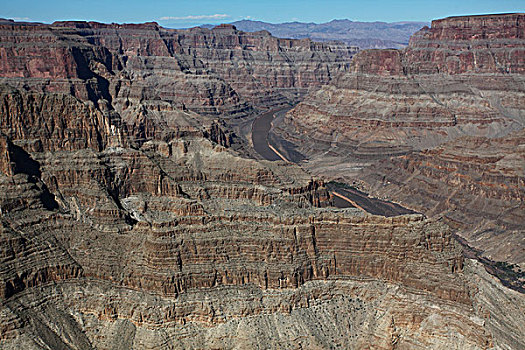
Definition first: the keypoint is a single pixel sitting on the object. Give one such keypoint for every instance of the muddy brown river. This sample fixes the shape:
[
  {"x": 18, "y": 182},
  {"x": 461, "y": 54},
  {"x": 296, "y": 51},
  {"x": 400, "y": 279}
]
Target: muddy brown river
[
  {"x": 260, "y": 130},
  {"x": 344, "y": 196}
]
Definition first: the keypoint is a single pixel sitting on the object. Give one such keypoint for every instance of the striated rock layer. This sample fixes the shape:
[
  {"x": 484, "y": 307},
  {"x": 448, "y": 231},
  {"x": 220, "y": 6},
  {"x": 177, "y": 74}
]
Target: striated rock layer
[
  {"x": 464, "y": 76},
  {"x": 220, "y": 71},
  {"x": 185, "y": 244},
  {"x": 138, "y": 226},
  {"x": 476, "y": 183}
]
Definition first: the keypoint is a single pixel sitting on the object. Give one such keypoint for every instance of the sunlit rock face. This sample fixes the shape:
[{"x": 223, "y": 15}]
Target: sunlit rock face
[
  {"x": 462, "y": 76},
  {"x": 129, "y": 221},
  {"x": 220, "y": 71}
]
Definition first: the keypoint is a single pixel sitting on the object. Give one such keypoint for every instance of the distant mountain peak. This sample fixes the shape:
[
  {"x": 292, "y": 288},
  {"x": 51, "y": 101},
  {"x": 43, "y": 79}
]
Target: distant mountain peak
[{"x": 345, "y": 20}]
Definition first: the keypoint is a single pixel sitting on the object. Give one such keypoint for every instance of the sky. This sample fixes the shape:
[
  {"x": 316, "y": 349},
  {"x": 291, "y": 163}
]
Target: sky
[{"x": 188, "y": 13}]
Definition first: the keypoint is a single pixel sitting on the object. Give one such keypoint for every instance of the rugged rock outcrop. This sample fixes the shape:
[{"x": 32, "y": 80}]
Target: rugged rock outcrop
[
  {"x": 220, "y": 71},
  {"x": 136, "y": 225},
  {"x": 128, "y": 245},
  {"x": 464, "y": 76},
  {"x": 476, "y": 183}
]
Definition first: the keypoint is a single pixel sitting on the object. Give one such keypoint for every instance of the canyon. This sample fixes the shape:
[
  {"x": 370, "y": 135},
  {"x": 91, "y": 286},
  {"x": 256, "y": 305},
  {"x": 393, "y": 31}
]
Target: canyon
[
  {"x": 436, "y": 127},
  {"x": 136, "y": 213}
]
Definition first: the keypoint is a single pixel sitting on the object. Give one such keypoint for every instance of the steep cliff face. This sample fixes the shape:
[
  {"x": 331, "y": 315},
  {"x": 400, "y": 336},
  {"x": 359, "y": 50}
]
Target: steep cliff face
[
  {"x": 476, "y": 183},
  {"x": 220, "y": 71},
  {"x": 128, "y": 245},
  {"x": 128, "y": 221},
  {"x": 458, "y": 45},
  {"x": 464, "y": 76}
]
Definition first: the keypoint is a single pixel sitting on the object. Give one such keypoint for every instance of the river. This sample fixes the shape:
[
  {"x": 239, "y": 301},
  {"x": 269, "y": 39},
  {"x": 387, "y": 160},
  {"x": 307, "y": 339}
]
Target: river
[{"x": 344, "y": 196}]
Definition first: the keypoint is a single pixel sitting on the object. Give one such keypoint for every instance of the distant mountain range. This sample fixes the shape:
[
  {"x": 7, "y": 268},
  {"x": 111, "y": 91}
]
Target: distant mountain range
[{"x": 365, "y": 35}]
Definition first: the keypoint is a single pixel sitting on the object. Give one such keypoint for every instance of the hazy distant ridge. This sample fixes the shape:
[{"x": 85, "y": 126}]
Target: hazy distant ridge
[{"x": 362, "y": 34}]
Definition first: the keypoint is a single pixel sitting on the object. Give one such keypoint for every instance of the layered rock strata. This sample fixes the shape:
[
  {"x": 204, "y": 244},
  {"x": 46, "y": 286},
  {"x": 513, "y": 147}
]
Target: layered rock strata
[
  {"x": 130, "y": 246},
  {"x": 220, "y": 71},
  {"x": 140, "y": 227},
  {"x": 464, "y": 76},
  {"x": 476, "y": 183}
]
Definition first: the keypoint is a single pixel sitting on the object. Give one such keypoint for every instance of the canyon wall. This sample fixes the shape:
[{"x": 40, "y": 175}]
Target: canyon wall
[
  {"x": 462, "y": 76},
  {"x": 129, "y": 221},
  {"x": 477, "y": 184},
  {"x": 187, "y": 240},
  {"x": 217, "y": 72},
  {"x": 462, "y": 79}
]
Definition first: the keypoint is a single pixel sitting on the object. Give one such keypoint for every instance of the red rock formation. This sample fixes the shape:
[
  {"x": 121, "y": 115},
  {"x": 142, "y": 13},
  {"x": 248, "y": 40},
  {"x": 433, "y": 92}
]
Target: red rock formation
[
  {"x": 462, "y": 77},
  {"x": 457, "y": 45},
  {"x": 127, "y": 220},
  {"x": 378, "y": 62},
  {"x": 217, "y": 71}
]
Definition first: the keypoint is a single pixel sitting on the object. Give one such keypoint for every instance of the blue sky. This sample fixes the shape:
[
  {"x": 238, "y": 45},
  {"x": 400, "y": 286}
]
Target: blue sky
[{"x": 175, "y": 13}]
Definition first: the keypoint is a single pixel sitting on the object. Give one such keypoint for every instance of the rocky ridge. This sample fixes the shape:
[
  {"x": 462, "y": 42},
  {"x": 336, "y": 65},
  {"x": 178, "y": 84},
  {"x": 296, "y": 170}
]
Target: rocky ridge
[
  {"x": 462, "y": 79},
  {"x": 124, "y": 245},
  {"x": 137, "y": 225},
  {"x": 220, "y": 71},
  {"x": 448, "y": 82}
]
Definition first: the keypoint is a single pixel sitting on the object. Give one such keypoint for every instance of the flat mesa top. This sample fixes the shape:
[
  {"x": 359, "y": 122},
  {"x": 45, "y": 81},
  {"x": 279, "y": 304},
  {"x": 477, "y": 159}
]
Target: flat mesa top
[
  {"x": 485, "y": 15},
  {"x": 502, "y": 20}
]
